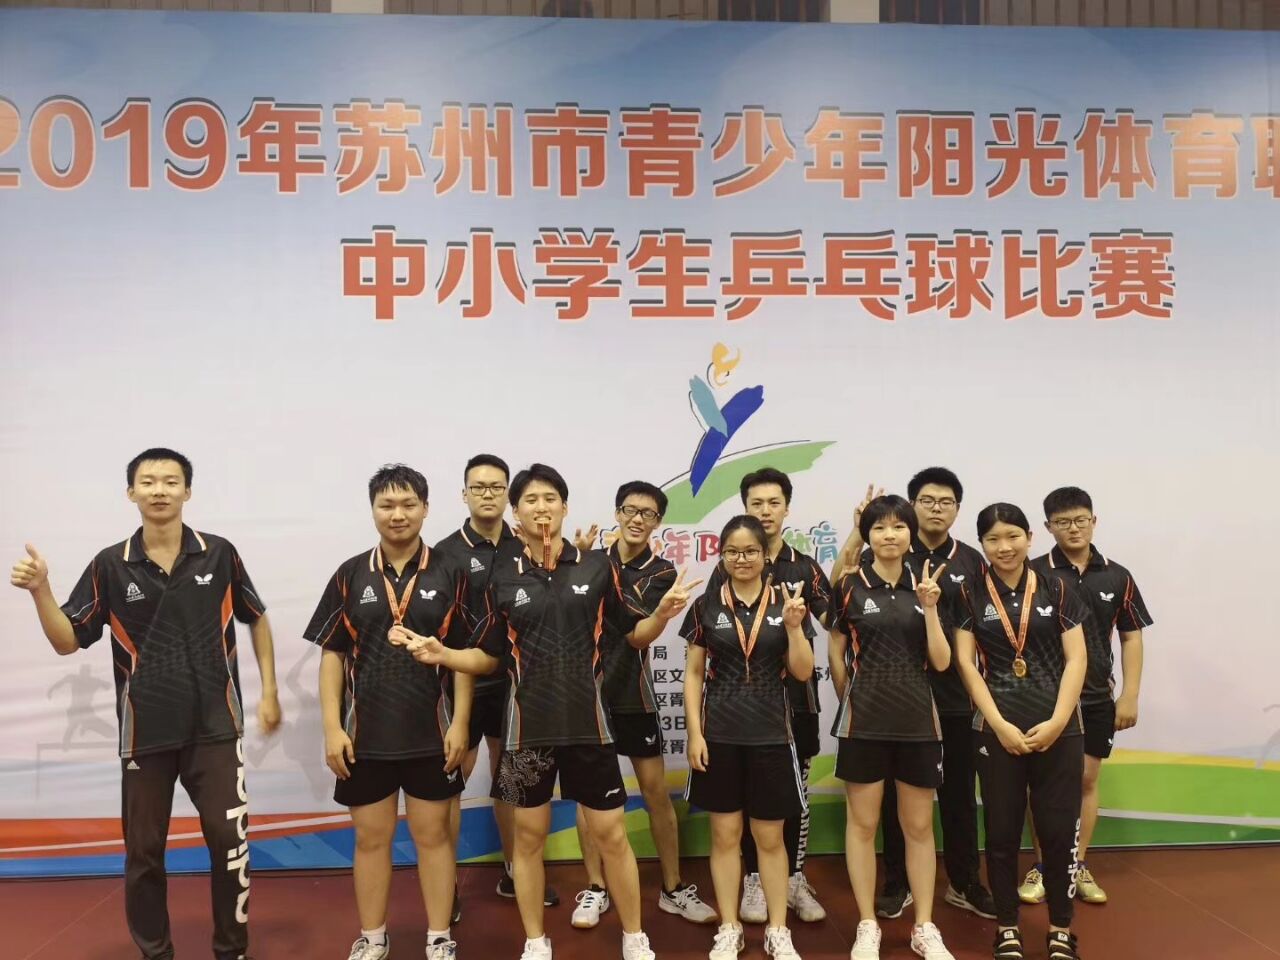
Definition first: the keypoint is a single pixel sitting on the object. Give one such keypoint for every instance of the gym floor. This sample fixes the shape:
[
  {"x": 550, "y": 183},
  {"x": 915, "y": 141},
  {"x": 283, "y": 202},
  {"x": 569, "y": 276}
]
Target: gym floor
[{"x": 1165, "y": 904}]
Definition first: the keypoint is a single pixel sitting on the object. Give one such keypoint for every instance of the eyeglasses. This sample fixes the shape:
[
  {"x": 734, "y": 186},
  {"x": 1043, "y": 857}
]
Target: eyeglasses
[
  {"x": 1066, "y": 523},
  {"x": 480, "y": 489},
  {"x": 750, "y": 555},
  {"x": 644, "y": 513},
  {"x": 942, "y": 503}
]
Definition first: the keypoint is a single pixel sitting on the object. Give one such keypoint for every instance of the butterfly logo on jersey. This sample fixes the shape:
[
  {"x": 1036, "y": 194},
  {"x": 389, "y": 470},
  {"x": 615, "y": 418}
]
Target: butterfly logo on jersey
[
  {"x": 1106, "y": 596},
  {"x": 368, "y": 596},
  {"x": 796, "y": 587},
  {"x": 774, "y": 621},
  {"x": 990, "y": 613},
  {"x": 722, "y": 621},
  {"x": 476, "y": 565},
  {"x": 957, "y": 577},
  {"x": 205, "y": 580},
  {"x": 521, "y": 597},
  {"x": 581, "y": 590},
  {"x": 870, "y": 606},
  {"x": 133, "y": 592},
  {"x": 427, "y": 594},
  {"x": 1045, "y": 611}
]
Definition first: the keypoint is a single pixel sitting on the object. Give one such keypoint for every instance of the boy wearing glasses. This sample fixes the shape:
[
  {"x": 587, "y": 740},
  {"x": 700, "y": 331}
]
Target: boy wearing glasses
[
  {"x": 1114, "y": 603},
  {"x": 633, "y": 709},
  {"x": 482, "y": 545}
]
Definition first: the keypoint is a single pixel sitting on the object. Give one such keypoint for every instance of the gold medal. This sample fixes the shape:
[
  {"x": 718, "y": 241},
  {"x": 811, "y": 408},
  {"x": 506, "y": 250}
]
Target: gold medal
[
  {"x": 1017, "y": 640},
  {"x": 1019, "y": 667}
]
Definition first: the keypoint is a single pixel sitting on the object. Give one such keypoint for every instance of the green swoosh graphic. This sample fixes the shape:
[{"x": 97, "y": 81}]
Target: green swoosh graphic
[{"x": 722, "y": 484}]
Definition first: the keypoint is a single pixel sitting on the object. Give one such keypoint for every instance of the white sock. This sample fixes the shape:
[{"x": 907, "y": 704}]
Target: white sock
[
  {"x": 434, "y": 935},
  {"x": 542, "y": 939},
  {"x": 631, "y": 936},
  {"x": 376, "y": 937},
  {"x": 507, "y": 865}
]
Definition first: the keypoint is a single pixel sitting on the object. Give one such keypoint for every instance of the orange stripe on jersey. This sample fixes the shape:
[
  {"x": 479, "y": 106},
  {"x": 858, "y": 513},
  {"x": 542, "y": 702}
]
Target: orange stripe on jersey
[
  {"x": 122, "y": 638},
  {"x": 93, "y": 577},
  {"x": 514, "y": 639}
]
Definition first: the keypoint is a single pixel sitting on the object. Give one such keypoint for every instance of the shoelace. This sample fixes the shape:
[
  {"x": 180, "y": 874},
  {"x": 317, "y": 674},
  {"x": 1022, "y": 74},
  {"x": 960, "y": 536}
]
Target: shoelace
[
  {"x": 641, "y": 942},
  {"x": 1082, "y": 873},
  {"x": 868, "y": 933},
  {"x": 930, "y": 935},
  {"x": 1034, "y": 876},
  {"x": 686, "y": 895},
  {"x": 781, "y": 939},
  {"x": 726, "y": 938},
  {"x": 442, "y": 950},
  {"x": 805, "y": 888},
  {"x": 591, "y": 898}
]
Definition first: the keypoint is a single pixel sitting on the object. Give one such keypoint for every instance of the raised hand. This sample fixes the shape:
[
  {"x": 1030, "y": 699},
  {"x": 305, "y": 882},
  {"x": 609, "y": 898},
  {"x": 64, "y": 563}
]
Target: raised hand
[
  {"x": 31, "y": 572},
  {"x": 872, "y": 493},
  {"x": 677, "y": 598},
  {"x": 927, "y": 589},
  {"x": 586, "y": 541},
  {"x": 794, "y": 609}
]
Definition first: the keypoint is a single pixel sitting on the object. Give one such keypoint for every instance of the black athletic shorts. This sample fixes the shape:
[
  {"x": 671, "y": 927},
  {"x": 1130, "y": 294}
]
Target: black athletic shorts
[
  {"x": 1099, "y": 728},
  {"x": 588, "y": 773},
  {"x": 420, "y": 777},
  {"x": 808, "y": 738},
  {"x": 917, "y": 763},
  {"x": 636, "y": 734},
  {"x": 763, "y": 781},
  {"x": 488, "y": 706}
]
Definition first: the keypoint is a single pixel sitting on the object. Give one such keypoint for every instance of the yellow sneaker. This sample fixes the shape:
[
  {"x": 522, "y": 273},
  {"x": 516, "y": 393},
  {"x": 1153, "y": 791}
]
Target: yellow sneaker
[
  {"x": 1087, "y": 888},
  {"x": 1032, "y": 889}
]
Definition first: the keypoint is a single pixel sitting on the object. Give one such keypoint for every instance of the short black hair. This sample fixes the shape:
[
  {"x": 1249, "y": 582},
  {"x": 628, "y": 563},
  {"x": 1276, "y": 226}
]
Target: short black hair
[
  {"x": 1001, "y": 513},
  {"x": 938, "y": 476},
  {"x": 749, "y": 523},
  {"x": 396, "y": 476},
  {"x": 486, "y": 460},
  {"x": 158, "y": 453},
  {"x": 641, "y": 489},
  {"x": 885, "y": 508},
  {"x": 1066, "y": 498},
  {"x": 537, "y": 471},
  {"x": 763, "y": 476}
]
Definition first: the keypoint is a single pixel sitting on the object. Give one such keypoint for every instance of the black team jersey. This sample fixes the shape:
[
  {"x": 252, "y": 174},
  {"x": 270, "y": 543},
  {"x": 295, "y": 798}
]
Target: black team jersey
[
  {"x": 798, "y": 571},
  {"x": 1114, "y": 603},
  {"x": 1055, "y": 608},
  {"x": 965, "y": 565},
  {"x": 392, "y": 706},
  {"x": 888, "y": 696},
  {"x": 745, "y": 699},
  {"x": 628, "y": 679},
  {"x": 551, "y": 624},
  {"x": 173, "y": 638},
  {"x": 477, "y": 558}
]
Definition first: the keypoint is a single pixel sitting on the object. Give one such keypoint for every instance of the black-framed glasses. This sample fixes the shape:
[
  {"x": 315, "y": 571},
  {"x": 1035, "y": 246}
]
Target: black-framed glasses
[
  {"x": 942, "y": 503},
  {"x": 1066, "y": 523},
  {"x": 751, "y": 554},
  {"x": 480, "y": 489},
  {"x": 646, "y": 514}
]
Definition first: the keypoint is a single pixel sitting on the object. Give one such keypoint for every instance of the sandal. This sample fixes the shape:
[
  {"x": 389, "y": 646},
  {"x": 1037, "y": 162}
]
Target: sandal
[{"x": 1008, "y": 945}]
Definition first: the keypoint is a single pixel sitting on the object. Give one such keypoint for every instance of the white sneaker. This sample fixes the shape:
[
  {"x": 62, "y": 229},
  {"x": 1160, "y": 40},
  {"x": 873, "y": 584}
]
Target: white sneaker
[
  {"x": 729, "y": 942},
  {"x": 442, "y": 950},
  {"x": 866, "y": 945},
  {"x": 362, "y": 949},
  {"x": 752, "y": 909},
  {"x": 537, "y": 949},
  {"x": 926, "y": 941},
  {"x": 801, "y": 899},
  {"x": 685, "y": 902},
  {"x": 591, "y": 903},
  {"x": 777, "y": 944},
  {"x": 635, "y": 946}
]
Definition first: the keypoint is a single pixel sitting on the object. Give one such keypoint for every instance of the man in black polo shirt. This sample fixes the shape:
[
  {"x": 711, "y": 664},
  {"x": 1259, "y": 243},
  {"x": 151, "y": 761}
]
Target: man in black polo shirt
[
  {"x": 482, "y": 545},
  {"x": 1114, "y": 603},
  {"x": 548, "y": 614},
  {"x": 936, "y": 492},
  {"x": 390, "y": 725},
  {"x": 766, "y": 495},
  {"x": 169, "y": 596},
  {"x": 633, "y": 709}
]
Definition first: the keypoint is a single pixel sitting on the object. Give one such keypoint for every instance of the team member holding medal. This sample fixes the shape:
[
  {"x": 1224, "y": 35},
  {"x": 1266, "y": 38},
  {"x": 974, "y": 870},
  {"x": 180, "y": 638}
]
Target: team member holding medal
[
  {"x": 1026, "y": 630},
  {"x": 885, "y": 634},
  {"x": 746, "y": 636}
]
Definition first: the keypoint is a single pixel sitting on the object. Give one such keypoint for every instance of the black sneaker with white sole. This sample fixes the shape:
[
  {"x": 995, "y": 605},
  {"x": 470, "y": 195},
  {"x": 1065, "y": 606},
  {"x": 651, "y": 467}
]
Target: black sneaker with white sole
[
  {"x": 975, "y": 898},
  {"x": 891, "y": 903},
  {"x": 507, "y": 888}
]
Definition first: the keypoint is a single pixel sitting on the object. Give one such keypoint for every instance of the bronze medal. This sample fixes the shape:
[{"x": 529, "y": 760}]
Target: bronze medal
[
  {"x": 1017, "y": 640},
  {"x": 1019, "y": 667}
]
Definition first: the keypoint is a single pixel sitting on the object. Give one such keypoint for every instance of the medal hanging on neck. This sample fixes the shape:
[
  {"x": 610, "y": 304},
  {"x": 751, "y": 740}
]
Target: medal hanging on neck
[
  {"x": 747, "y": 643},
  {"x": 1019, "y": 640},
  {"x": 399, "y": 608}
]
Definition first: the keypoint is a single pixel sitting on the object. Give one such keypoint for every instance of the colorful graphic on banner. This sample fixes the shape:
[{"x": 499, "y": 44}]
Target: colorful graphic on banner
[{"x": 299, "y": 247}]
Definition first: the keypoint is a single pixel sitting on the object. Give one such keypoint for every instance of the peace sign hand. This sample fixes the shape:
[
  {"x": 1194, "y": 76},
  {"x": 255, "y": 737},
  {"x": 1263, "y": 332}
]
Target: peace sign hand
[
  {"x": 872, "y": 494},
  {"x": 927, "y": 589},
  {"x": 676, "y": 598},
  {"x": 794, "y": 609}
]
